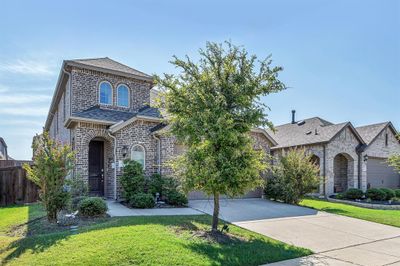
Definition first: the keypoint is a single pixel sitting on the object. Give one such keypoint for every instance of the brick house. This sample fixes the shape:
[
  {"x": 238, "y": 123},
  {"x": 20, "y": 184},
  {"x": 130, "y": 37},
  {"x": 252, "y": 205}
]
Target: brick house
[
  {"x": 348, "y": 156},
  {"x": 101, "y": 108}
]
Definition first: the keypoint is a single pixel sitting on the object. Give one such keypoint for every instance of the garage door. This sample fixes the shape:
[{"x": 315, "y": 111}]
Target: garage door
[
  {"x": 257, "y": 193},
  {"x": 379, "y": 174}
]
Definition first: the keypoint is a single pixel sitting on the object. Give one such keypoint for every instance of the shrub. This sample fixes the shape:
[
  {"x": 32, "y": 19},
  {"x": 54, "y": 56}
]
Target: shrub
[
  {"x": 52, "y": 162},
  {"x": 340, "y": 196},
  {"x": 353, "y": 193},
  {"x": 176, "y": 198},
  {"x": 78, "y": 187},
  {"x": 397, "y": 192},
  {"x": 75, "y": 202},
  {"x": 389, "y": 193},
  {"x": 293, "y": 178},
  {"x": 376, "y": 194},
  {"x": 155, "y": 184},
  {"x": 142, "y": 200},
  {"x": 132, "y": 179},
  {"x": 92, "y": 206}
]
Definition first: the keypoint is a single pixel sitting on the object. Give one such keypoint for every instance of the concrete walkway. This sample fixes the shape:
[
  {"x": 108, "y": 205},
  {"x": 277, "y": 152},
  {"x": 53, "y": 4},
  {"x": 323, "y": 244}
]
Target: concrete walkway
[
  {"x": 117, "y": 209},
  {"x": 337, "y": 240}
]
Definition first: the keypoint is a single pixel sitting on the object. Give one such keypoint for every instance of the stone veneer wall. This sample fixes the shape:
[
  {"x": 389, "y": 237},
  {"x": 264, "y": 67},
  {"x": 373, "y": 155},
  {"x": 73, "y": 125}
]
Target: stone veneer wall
[
  {"x": 85, "y": 90},
  {"x": 83, "y": 133},
  {"x": 379, "y": 149}
]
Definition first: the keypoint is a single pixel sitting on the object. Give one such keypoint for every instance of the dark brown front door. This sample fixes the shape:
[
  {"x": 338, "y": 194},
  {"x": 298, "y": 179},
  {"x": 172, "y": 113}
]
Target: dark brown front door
[{"x": 96, "y": 168}]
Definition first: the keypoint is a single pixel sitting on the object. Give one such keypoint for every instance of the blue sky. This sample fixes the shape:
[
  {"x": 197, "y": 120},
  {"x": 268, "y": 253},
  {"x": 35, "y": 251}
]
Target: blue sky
[{"x": 341, "y": 59}]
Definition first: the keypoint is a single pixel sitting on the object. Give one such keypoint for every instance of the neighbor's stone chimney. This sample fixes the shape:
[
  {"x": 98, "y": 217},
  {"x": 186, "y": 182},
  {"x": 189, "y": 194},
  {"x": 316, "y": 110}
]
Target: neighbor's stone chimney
[{"x": 293, "y": 116}]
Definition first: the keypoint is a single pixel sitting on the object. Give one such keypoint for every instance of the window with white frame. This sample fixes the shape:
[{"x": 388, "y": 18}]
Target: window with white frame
[
  {"x": 105, "y": 93},
  {"x": 138, "y": 154},
  {"x": 123, "y": 96}
]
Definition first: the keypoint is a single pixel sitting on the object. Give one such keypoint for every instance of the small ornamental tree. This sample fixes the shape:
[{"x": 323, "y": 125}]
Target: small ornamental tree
[
  {"x": 394, "y": 160},
  {"x": 51, "y": 164},
  {"x": 293, "y": 177},
  {"x": 212, "y": 105},
  {"x": 132, "y": 179}
]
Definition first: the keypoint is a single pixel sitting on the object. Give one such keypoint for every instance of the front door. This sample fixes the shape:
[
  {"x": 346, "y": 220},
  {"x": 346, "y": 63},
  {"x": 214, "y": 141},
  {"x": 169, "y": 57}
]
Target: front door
[{"x": 96, "y": 168}]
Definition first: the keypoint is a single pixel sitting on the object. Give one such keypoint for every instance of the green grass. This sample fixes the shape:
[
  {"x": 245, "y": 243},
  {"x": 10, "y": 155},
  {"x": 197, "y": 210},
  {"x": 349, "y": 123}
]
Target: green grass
[
  {"x": 389, "y": 217},
  {"x": 162, "y": 240}
]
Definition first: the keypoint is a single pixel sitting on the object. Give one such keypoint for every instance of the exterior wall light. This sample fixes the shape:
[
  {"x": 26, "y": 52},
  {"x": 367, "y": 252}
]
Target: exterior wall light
[
  {"x": 365, "y": 157},
  {"x": 124, "y": 150}
]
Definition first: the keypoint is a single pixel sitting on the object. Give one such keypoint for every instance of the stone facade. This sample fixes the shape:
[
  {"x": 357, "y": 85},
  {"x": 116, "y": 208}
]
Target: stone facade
[{"x": 85, "y": 90}]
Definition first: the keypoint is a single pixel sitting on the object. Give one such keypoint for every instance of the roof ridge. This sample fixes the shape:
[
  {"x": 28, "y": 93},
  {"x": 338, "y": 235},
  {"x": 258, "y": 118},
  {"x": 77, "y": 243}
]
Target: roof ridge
[
  {"x": 375, "y": 124},
  {"x": 314, "y": 117}
]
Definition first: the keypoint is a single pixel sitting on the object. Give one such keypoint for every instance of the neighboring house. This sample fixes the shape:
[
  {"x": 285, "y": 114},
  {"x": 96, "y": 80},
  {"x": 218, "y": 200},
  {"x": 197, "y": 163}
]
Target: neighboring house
[
  {"x": 348, "y": 157},
  {"x": 3, "y": 149},
  {"x": 101, "y": 109}
]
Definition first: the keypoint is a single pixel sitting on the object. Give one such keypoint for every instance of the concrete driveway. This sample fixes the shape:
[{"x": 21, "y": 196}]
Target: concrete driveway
[{"x": 337, "y": 240}]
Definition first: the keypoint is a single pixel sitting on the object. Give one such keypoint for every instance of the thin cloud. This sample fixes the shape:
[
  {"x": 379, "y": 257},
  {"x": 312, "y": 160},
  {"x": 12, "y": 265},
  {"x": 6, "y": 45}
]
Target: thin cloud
[
  {"x": 23, "y": 98},
  {"x": 24, "y": 111},
  {"x": 29, "y": 67}
]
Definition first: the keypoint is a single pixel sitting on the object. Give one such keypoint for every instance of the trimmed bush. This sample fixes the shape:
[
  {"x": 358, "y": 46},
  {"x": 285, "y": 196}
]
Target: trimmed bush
[
  {"x": 397, "y": 192},
  {"x": 389, "y": 193},
  {"x": 155, "y": 184},
  {"x": 75, "y": 202},
  {"x": 142, "y": 201},
  {"x": 353, "y": 194},
  {"x": 92, "y": 206},
  {"x": 376, "y": 194},
  {"x": 132, "y": 180},
  {"x": 176, "y": 198}
]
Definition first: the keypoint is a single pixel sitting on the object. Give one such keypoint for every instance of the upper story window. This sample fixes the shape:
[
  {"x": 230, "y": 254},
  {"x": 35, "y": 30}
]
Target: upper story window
[
  {"x": 138, "y": 154},
  {"x": 386, "y": 139},
  {"x": 123, "y": 96},
  {"x": 105, "y": 93}
]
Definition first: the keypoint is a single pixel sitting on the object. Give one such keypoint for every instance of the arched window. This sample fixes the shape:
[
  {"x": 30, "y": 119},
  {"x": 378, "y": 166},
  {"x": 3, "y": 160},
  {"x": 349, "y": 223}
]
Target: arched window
[
  {"x": 105, "y": 93},
  {"x": 123, "y": 96},
  {"x": 138, "y": 154}
]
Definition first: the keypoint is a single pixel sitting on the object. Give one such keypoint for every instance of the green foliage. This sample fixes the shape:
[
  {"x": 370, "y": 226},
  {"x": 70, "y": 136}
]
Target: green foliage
[
  {"x": 353, "y": 193},
  {"x": 293, "y": 177},
  {"x": 92, "y": 206},
  {"x": 394, "y": 161},
  {"x": 397, "y": 192},
  {"x": 213, "y": 105},
  {"x": 155, "y": 184},
  {"x": 142, "y": 200},
  {"x": 340, "y": 196},
  {"x": 52, "y": 163},
  {"x": 78, "y": 186},
  {"x": 132, "y": 179},
  {"x": 176, "y": 198},
  {"x": 389, "y": 193},
  {"x": 76, "y": 201},
  {"x": 375, "y": 194}
]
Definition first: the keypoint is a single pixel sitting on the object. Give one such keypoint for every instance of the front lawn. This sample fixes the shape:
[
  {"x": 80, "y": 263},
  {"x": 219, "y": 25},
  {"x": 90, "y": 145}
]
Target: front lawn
[
  {"x": 389, "y": 217},
  {"x": 162, "y": 240}
]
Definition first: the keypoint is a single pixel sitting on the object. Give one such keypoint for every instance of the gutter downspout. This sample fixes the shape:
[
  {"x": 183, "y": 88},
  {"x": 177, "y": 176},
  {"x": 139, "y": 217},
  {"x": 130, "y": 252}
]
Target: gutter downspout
[
  {"x": 115, "y": 163},
  {"x": 324, "y": 170},
  {"x": 158, "y": 153}
]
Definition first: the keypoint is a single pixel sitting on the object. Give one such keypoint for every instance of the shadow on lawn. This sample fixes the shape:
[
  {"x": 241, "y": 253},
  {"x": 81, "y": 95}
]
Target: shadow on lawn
[
  {"x": 243, "y": 248},
  {"x": 34, "y": 234}
]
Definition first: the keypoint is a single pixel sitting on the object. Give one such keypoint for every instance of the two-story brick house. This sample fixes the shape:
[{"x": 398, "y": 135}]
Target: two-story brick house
[{"x": 101, "y": 108}]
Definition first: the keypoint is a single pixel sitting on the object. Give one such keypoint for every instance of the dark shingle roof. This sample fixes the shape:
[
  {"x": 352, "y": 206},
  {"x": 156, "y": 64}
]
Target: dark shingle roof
[
  {"x": 107, "y": 63},
  {"x": 305, "y": 132},
  {"x": 369, "y": 132},
  {"x": 99, "y": 113}
]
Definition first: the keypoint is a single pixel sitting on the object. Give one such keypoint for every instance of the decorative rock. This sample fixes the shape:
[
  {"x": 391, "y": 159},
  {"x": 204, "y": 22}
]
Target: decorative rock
[{"x": 66, "y": 219}]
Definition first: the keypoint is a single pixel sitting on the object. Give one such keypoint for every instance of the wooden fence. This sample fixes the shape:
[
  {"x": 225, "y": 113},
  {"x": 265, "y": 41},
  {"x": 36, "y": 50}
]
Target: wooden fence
[{"x": 15, "y": 187}]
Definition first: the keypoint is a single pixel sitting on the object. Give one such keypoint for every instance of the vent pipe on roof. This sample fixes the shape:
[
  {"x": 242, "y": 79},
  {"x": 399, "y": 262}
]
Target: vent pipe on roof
[{"x": 293, "y": 116}]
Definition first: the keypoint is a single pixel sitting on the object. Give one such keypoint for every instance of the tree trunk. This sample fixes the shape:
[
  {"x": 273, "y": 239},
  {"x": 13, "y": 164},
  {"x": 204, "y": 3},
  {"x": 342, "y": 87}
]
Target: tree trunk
[{"x": 214, "y": 227}]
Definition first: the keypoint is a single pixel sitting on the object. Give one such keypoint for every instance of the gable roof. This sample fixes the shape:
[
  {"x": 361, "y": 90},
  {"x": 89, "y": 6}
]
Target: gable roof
[
  {"x": 370, "y": 132},
  {"x": 106, "y": 64},
  {"x": 309, "y": 131},
  {"x": 3, "y": 141}
]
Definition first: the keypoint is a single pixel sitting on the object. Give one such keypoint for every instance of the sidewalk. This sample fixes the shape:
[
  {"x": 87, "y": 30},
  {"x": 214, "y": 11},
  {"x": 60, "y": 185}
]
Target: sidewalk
[{"x": 116, "y": 209}]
